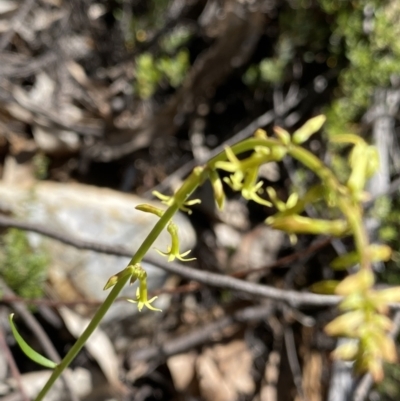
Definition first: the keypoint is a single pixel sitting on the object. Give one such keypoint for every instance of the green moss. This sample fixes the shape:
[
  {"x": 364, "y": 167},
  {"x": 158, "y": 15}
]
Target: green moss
[
  {"x": 373, "y": 55},
  {"x": 147, "y": 75},
  {"x": 23, "y": 269},
  {"x": 175, "y": 39},
  {"x": 152, "y": 71},
  {"x": 389, "y": 389}
]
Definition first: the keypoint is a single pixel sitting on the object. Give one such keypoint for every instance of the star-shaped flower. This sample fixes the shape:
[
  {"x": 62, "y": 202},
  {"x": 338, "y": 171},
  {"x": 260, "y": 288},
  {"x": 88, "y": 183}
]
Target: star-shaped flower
[
  {"x": 173, "y": 250},
  {"x": 142, "y": 300},
  {"x": 141, "y": 293}
]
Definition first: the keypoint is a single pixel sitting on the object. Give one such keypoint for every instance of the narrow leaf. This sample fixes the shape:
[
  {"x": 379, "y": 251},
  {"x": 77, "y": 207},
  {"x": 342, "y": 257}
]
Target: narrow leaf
[{"x": 27, "y": 350}]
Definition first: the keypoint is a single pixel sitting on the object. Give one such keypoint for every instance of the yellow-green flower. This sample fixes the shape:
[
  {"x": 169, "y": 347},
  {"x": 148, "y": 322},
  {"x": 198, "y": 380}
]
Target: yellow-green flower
[
  {"x": 169, "y": 201},
  {"x": 142, "y": 300},
  {"x": 136, "y": 272},
  {"x": 218, "y": 189},
  {"x": 173, "y": 250}
]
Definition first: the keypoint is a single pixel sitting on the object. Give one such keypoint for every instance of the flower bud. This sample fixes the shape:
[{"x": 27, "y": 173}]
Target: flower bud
[
  {"x": 346, "y": 325},
  {"x": 352, "y": 301},
  {"x": 389, "y": 295},
  {"x": 261, "y": 134},
  {"x": 358, "y": 282},
  {"x": 305, "y": 225},
  {"x": 375, "y": 368},
  {"x": 309, "y": 128},
  {"x": 358, "y": 162},
  {"x": 278, "y": 153},
  {"x": 376, "y": 253},
  {"x": 283, "y": 135},
  {"x": 129, "y": 270},
  {"x": 150, "y": 209},
  {"x": 373, "y": 161},
  {"x": 219, "y": 193},
  {"x": 388, "y": 348},
  {"x": 381, "y": 322},
  {"x": 326, "y": 287},
  {"x": 347, "y": 351}
]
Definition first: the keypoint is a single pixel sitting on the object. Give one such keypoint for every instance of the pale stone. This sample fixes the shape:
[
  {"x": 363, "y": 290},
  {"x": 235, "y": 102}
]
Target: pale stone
[{"x": 92, "y": 214}]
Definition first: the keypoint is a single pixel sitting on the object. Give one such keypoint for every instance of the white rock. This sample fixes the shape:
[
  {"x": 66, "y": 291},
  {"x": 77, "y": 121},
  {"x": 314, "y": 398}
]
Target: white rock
[
  {"x": 93, "y": 214},
  {"x": 32, "y": 383}
]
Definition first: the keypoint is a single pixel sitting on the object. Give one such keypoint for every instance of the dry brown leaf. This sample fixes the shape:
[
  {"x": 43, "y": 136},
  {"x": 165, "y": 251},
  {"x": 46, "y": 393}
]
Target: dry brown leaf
[
  {"x": 235, "y": 362},
  {"x": 211, "y": 382},
  {"x": 182, "y": 368},
  {"x": 224, "y": 371},
  {"x": 98, "y": 344}
]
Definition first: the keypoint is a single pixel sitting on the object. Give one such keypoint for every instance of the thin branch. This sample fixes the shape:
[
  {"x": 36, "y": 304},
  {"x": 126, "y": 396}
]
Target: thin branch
[
  {"x": 16, "y": 22},
  {"x": 293, "y": 361},
  {"x": 66, "y": 239},
  {"x": 286, "y": 260},
  {"x": 201, "y": 335},
  {"x": 295, "y": 299}
]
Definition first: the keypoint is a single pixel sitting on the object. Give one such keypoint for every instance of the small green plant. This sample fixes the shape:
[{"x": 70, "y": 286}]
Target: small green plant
[
  {"x": 23, "y": 269},
  {"x": 363, "y": 309},
  {"x": 371, "y": 47},
  {"x": 151, "y": 71}
]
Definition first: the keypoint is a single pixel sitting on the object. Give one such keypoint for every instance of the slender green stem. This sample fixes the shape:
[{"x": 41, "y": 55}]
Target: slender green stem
[
  {"x": 192, "y": 182},
  {"x": 244, "y": 146}
]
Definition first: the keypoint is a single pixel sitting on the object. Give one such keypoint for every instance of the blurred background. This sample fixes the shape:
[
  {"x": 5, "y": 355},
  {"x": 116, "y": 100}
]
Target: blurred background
[{"x": 102, "y": 102}]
